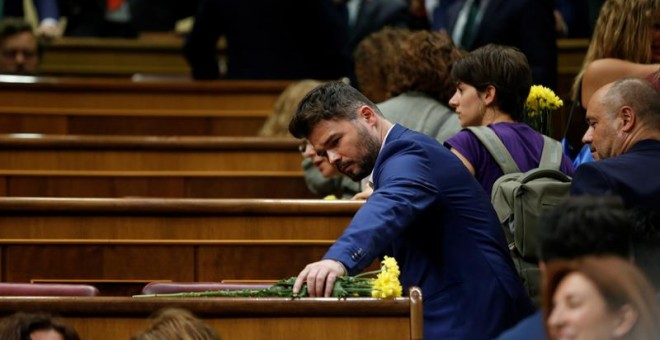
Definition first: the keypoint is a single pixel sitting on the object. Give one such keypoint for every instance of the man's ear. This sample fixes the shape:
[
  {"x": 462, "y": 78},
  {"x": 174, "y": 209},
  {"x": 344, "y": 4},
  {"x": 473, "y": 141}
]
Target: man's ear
[
  {"x": 628, "y": 118},
  {"x": 368, "y": 114},
  {"x": 626, "y": 318},
  {"x": 489, "y": 95}
]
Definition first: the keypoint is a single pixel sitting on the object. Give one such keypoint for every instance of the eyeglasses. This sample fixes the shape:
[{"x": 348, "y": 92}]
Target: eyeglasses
[{"x": 303, "y": 146}]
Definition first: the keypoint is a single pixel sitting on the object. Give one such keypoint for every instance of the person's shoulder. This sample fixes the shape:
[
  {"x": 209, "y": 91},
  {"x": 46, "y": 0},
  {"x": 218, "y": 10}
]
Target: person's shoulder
[{"x": 529, "y": 328}]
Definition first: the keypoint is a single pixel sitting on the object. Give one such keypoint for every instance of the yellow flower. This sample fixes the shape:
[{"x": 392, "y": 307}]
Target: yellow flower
[
  {"x": 387, "y": 285},
  {"x": 541, "y": 99}
]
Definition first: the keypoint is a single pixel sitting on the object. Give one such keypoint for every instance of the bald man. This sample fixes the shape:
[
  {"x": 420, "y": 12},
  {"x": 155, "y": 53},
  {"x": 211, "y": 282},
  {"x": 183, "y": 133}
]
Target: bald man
[{"x": 624, "y": 133}]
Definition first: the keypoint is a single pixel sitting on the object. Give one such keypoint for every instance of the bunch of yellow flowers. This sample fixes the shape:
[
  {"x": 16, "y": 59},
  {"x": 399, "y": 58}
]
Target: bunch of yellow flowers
[
  {"x": 541, "y": 99},
  {"x": 540, "y": 103},
  {"x": 387, "y": 285}
]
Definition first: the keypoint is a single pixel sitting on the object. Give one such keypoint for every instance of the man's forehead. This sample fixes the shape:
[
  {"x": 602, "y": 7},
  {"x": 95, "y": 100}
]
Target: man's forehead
[{"x": 325, "y": 129}]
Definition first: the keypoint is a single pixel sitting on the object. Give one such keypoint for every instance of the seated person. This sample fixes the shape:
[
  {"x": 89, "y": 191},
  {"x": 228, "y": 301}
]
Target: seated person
[
  {"x": 421, "y": 85},
  {"x": 599, "y": 298},
  {"x": 321, "y": 177},
  {"x": 21, "y": 326},
  {"x": 175, "y": 323},
  {"x": 20, "y": 51},
  {"x": 493, "y": 83}
]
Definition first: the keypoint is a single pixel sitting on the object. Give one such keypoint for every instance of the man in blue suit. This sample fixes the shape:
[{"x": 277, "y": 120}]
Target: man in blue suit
[
  {"x": 427, "y": 211},
  {"x": 624, "y": 133}
]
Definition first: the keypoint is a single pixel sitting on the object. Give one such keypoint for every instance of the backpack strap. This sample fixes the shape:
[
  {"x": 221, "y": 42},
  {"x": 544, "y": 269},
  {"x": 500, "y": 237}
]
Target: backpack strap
[
  {"x": 551, "y": 155},
  {"x": 492, "y": 142}
]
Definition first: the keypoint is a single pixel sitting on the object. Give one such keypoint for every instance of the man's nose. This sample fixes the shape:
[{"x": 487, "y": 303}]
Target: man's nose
[
  {"x": 333, "y": 157},
  {"x": 19, "y": 58},
  {"x": 587, "y": 138}
]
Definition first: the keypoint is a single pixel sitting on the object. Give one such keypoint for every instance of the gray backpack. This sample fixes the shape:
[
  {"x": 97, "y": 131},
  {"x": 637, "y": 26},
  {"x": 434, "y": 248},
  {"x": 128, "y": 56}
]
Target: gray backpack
[{"x": 520, "y": 198}]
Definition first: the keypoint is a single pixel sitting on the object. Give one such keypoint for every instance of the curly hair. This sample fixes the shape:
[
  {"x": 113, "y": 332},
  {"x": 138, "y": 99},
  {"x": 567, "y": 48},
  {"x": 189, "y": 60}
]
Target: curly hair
[
  {"x": 424, "y": 65},
  {"x": 375, "y": 57}
]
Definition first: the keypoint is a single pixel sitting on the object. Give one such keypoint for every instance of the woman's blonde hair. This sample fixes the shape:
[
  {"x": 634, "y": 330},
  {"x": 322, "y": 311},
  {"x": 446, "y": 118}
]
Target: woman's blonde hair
[
  {"x": 177, "y": 324},
  {"x": 277, "y": 124},
  {"x": 624, "y": 31}
]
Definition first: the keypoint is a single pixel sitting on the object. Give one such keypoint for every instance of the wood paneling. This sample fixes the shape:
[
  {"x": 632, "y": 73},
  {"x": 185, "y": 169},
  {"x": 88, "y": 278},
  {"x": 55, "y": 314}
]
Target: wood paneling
[
  {"x": 140, "y": 153},
  {"x": 179, "y": 184},
  {"x": 240, "y": 318},
  {"x": 165, "y": 239},
  {"x": 97, "y": 94}
]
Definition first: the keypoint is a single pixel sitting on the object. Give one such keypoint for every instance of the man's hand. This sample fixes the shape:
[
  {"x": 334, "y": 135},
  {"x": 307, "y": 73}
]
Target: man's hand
[
  {"x": 320, "y": 277},
  {"x": 363, "y": 195}
]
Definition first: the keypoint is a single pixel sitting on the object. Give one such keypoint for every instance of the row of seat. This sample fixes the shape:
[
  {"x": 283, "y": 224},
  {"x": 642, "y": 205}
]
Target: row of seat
[{"x": 59, "y": 289}]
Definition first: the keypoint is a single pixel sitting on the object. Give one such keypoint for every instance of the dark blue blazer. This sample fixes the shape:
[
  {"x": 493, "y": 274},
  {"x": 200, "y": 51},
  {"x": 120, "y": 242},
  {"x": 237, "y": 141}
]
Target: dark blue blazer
[
  {"x": 526, "y": 24},
  {"x": 373, "y": 15},
  {"x": 634, "y": 175},
  {"x": 529, "y": 328},
  {"x": 430, "y": 213},
  {"x": 45, "y": 9}
]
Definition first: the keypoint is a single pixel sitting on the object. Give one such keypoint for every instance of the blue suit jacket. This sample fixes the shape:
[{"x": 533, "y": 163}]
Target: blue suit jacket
[
  {"x": 430, "y": 213},
  {"x": 633, "y": 175},
  {"x": 530, "y": 328}
]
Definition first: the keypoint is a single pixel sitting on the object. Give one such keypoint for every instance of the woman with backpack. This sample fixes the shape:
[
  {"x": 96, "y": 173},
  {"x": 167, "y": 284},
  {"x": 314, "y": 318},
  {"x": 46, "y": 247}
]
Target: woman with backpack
[{"x": 492, "y": 85}]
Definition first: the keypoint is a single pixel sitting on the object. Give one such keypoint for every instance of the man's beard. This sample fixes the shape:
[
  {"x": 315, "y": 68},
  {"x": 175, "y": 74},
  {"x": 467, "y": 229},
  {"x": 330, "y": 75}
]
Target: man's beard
[{"x": 365, "y": 164}]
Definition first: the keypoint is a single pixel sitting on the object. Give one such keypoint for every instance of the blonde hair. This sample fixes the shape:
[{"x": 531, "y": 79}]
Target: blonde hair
[
  {"x": 277, "y": 124},
  {"x": 177, "y": 324},
  {"x": 623, "y": 31}
]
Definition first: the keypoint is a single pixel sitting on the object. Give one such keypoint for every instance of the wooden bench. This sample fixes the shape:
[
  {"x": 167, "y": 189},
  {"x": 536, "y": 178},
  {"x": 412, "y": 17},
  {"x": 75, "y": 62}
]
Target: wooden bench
[
  {"x": 175, "y": 184},
  {"x": 114, "y": 57},
  {"x": 94, "y": 95},
  {"x": 240, "y": 318},
  {"x": 153, "y": 122},
  {"x": 140, "y": 153},
  {"x": 164, "y": 239}
]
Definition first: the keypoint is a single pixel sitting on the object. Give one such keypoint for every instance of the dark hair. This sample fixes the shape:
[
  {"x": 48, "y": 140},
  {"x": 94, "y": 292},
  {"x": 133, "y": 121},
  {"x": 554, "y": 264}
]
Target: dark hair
[
  {"x": 19, "y": 326},
  {"x": 585, "y": 225},
  {"x": 12, "y": 26},
  {"x": 424, "y": 65},
  {"x": 503, "y": 67},
  {"x": 330, "y": 101}
]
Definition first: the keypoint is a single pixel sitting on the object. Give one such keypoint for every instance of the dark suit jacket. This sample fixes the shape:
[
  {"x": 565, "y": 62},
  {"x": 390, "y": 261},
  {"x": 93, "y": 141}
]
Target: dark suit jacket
[
  {"x": 430, "y": 213},
  {"x": 269, "y": 39},
  {"x": 633, "y": 175},
  {"x": 87, "y": 17},
  {"x": 373, "y": 15},
  {"x": 525, "y": 24},
  {"x": 45, "y": 9}
]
